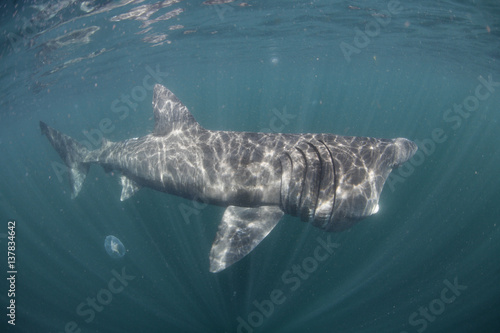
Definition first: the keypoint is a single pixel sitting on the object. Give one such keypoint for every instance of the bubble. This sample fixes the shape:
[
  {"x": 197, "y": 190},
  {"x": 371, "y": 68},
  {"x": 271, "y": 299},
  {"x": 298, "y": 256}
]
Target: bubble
[{"x": 114, "y": 247}]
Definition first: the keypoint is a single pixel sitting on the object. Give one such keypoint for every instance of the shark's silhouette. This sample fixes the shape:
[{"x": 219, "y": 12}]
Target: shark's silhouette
[{"x": 328, "y": 180}]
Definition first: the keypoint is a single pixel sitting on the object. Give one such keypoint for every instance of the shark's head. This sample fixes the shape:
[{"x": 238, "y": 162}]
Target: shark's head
[{"x": 332, "y": 182}]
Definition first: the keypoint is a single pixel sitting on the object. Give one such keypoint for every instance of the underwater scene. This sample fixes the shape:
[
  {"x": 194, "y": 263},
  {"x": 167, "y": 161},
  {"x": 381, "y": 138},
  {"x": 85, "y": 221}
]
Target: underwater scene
[{"x": 242, "y": 166}]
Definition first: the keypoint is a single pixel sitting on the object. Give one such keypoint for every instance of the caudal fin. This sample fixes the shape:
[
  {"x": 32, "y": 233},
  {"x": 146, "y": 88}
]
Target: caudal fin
[{"x": 72, "y": 153}]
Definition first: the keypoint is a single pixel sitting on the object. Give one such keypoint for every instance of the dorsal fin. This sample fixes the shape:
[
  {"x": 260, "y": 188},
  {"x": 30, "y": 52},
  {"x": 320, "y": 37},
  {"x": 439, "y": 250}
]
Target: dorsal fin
[{"x": 170, "y": 113}]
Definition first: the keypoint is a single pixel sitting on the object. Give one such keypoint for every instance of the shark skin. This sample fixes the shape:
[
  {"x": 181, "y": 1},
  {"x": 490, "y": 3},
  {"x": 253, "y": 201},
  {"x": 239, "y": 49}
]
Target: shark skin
[{"x": 327, "y": 180}]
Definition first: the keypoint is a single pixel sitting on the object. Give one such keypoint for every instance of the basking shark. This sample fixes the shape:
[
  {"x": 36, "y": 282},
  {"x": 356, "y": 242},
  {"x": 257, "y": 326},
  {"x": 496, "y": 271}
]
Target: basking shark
[{"x": 327, "y": 180}]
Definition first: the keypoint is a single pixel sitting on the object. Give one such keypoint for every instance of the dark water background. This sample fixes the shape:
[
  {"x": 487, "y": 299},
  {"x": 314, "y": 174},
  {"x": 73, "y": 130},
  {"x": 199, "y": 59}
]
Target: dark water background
[{"x": 243, "y": 66}]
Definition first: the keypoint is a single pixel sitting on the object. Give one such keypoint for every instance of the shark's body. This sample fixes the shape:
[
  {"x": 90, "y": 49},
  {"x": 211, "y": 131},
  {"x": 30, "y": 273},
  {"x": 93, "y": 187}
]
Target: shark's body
[{"x": 328, "y": 180}]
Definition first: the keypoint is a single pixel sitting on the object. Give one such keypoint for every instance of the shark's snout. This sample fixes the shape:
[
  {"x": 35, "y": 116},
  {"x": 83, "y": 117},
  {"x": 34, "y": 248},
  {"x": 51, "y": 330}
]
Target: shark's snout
[{"x": 405, "y": 149}]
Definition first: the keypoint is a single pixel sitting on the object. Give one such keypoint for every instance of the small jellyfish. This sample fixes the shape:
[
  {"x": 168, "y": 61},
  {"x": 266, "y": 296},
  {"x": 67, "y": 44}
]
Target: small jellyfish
[{"x": 114, "y": 247}]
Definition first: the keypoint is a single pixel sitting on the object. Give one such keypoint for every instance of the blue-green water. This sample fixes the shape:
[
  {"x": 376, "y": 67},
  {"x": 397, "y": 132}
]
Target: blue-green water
[{"x": 427, "y": 262}]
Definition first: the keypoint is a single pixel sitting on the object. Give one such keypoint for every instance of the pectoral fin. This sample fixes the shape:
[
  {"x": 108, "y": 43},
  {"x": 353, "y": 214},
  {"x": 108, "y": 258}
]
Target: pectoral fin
[{"x": 240, "y": 231}]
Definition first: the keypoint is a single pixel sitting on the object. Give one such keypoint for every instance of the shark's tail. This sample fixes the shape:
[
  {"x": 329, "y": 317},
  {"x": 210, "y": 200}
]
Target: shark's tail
[{"x": 72, "y": 153}]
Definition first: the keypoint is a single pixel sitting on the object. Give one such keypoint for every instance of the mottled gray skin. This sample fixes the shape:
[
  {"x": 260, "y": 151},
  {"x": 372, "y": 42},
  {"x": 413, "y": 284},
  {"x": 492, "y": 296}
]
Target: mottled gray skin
[{"x": 328, "y": 180}]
